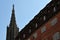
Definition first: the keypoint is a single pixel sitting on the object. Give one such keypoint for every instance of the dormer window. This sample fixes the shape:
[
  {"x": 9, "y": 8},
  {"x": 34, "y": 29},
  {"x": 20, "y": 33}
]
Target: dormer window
[
  {"x": 44, "y": 18},
  {"x": 54, "y": 9},
  {"x": 29, "y": 30},
  {"x": 36, "y": 25},
  {"x": 23, "y": 35}
]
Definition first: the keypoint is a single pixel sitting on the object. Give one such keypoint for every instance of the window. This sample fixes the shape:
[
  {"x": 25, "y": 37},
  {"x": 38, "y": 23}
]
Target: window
[
  {"x": 56, "y": 36},
  {"x": 36, "y": 25},
  {"x": 54, "y": 21},
  {"x": 58, "y": 2},
  {"x": 52, "y": 5},
  {"x": 48, "y": 11},
  {"x": 43, "y": 29},
  {"x": 34, "y": 35},
  {"x": 23, "y": 35},
  {"x": 28, "y": 39},
  {"x": 19, "y": 38},
  {"x": 29, "y": 30},
  {"x": 44, "y": 18},
  {"x": 54, "y": 9}
]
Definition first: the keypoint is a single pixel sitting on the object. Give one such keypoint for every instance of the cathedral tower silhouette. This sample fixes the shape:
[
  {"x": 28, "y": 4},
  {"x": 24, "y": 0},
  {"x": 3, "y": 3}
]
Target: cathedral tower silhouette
[{"x": 12, "y": 29}]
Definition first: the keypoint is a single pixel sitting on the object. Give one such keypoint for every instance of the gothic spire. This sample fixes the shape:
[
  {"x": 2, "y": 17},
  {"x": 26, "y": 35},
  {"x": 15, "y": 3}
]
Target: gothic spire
[
  {"x": 13, "y": 21},
  {"x": 12, "y": 29}
]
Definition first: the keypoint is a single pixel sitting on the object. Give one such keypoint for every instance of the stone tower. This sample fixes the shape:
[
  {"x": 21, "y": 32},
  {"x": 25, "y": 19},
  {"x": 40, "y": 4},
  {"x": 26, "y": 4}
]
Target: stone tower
[{"x": 12, "y": 29}]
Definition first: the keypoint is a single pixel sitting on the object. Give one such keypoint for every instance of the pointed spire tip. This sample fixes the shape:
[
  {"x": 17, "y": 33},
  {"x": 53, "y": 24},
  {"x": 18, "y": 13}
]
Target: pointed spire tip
[{"x": 13, "y": 6}]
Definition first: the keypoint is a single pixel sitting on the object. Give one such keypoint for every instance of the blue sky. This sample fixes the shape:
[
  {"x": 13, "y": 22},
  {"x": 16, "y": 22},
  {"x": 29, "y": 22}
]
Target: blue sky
[{"x": 25, "y": 10}]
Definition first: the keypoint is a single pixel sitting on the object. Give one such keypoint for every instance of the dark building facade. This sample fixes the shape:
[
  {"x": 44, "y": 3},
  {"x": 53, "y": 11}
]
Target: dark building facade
[
  {"x": 12, "y": 29},
  {"x": 45, "y": 25}
]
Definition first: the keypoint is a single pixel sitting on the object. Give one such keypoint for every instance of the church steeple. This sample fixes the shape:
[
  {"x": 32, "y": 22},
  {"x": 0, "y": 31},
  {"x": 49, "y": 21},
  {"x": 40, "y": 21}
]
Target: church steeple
[
  {"x": 13, "y": 20},
  {"x": 12, "y": 29}
]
